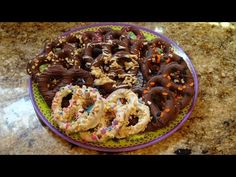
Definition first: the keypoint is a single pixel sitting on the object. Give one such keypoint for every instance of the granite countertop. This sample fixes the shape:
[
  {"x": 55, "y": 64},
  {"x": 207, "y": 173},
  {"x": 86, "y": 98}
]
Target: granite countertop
[{"x": 209, "y": 130}]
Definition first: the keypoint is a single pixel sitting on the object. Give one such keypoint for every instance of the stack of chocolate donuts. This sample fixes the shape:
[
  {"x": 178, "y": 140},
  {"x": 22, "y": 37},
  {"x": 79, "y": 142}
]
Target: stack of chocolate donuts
[{"x": 109, "y": 62}]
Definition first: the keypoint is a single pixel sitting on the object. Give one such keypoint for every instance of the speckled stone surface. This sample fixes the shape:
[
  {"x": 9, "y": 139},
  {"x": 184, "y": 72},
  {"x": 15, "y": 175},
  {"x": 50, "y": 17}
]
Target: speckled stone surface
[{"x": 211, "y": 129}]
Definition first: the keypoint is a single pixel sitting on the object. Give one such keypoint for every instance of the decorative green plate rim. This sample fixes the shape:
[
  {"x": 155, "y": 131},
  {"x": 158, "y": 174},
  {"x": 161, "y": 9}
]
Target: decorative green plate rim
[{"x": 135, "y": 141}]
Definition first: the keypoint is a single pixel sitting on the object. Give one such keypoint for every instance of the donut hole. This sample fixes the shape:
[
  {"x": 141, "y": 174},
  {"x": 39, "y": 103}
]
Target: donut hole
[
  {"x": 89, "y": 108},
  {"x": 187, "y": 94},
  {"x": 158, "y": 84},
  {"x": 66, "y": 100},
  {"x": 177, "y": 59},
  {"x": 154, "y": 68}
]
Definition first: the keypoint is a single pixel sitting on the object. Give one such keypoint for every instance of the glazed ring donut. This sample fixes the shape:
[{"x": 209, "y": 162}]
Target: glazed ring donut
[
  {"x": 156, "y": 58},
  {"x": 118, "y": 106},
  {"x": 123, "y": 96},
  {"x": 63, "y": 47},
  {"x": 83, "y": 113},
  {"x": 152, "y": 65},
  {"x": 34, "y": 65},
  {"x": 162, "y": 105},
  {"x": 65, "y": 114}
]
